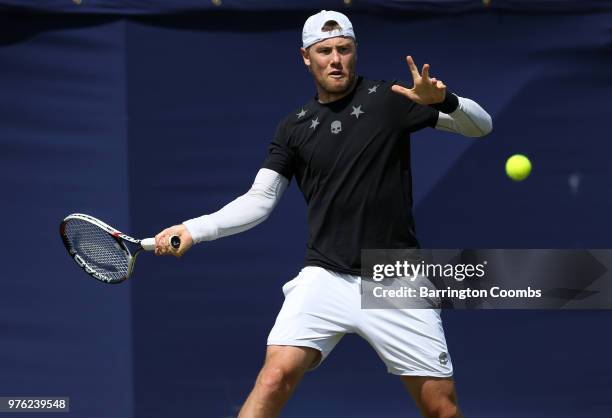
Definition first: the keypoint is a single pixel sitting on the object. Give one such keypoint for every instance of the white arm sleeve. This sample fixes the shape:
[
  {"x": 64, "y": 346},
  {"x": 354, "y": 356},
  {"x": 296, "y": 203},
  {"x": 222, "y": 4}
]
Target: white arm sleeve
[
  {"x": 243, "y": 213},
  {"x": 469, "y": 119}
]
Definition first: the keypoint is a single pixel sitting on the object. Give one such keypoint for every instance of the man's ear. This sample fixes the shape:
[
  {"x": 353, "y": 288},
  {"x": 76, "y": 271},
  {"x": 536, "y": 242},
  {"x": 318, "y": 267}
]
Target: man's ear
[{"x": 305, "y": 56}]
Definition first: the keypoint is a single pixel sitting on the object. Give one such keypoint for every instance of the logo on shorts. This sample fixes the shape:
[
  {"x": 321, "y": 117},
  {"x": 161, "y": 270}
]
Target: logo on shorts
[{"x": 443, "y": 358}]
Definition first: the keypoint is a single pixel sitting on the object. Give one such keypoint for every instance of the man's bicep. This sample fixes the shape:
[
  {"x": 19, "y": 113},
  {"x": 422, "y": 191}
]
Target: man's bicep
[
  {"x": 270, "y": 184},
  {"x": 280, "y": 156},
  {"x": 280, "y": 166}
]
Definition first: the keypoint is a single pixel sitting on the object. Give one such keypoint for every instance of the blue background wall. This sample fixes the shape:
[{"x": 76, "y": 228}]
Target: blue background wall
[{"x": 149, "y": 120}]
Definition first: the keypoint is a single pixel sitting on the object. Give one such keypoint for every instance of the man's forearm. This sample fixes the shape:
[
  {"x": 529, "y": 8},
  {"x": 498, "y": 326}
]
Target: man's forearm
[
  {"x": 468, "y": 119},
  {"x": 243, "y": 213}
]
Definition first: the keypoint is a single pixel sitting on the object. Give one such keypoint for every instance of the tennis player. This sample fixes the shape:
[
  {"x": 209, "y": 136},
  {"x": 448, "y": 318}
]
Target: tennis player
[{"x": 349, "y": 152}]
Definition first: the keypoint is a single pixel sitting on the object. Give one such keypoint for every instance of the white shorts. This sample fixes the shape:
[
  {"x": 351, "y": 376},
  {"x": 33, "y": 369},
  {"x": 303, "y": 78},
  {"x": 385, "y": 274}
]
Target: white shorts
[{"x": 321, "y": 306}]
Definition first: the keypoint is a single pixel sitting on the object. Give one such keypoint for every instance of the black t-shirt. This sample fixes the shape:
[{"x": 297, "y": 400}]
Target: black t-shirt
[{"x": 351, "y": 160}]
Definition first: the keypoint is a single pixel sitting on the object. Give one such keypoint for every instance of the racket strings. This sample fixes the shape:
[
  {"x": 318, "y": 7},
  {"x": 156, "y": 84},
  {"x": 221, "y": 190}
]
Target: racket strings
[{"x": 98, "y": 249}]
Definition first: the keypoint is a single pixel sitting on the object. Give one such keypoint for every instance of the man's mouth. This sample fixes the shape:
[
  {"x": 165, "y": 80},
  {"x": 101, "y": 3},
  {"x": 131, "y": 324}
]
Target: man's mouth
[{"x": 336, "y": 74}]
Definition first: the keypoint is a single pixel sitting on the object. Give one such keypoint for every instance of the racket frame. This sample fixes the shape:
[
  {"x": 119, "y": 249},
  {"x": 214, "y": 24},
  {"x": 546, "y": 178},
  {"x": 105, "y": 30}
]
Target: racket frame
[{"x": 117, "y": 235}]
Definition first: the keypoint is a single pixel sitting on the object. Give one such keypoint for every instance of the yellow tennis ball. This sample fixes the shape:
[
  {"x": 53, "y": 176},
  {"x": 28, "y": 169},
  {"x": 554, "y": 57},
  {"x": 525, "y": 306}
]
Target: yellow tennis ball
[{"x": 518, "y": 167}]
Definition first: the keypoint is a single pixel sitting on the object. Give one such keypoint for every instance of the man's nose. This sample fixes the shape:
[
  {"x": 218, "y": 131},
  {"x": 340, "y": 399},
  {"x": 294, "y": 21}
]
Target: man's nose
[{"x": 335, "y": 57}]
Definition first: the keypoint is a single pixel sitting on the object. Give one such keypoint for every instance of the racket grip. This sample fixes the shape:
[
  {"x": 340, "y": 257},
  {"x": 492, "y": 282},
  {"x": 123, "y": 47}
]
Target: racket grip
[{"x": 148, "y": 244}]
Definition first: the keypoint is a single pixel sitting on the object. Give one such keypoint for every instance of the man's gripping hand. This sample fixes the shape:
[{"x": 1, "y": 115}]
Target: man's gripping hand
[
  {"x": 162, "y": 241},
  {"x": 425, "y": 90}
]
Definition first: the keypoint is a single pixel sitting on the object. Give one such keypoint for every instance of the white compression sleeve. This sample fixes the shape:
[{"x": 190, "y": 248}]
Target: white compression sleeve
[
  {"x": 469, "y": 119},
  {"x": 243, "y": 213}
]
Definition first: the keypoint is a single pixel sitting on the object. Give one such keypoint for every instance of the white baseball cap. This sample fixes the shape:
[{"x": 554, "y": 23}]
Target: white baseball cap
[{"x": 312, "y": 33}]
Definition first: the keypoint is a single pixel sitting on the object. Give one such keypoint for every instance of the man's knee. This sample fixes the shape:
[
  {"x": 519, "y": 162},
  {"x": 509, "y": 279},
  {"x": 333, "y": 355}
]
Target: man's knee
[
  {"x": 283, "y": 369},
  {"x": 275, "y": 380}
]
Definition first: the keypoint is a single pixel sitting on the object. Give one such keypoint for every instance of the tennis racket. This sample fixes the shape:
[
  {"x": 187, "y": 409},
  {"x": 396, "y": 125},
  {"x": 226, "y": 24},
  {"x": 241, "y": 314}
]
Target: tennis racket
[{"x": 102, "y": 251}]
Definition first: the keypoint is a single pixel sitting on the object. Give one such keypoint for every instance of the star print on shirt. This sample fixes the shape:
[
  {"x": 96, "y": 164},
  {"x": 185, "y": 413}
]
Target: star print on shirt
[
  {"x": 301, "y": 114},
  {"x": 314, "y": 123},
  {"x": 372, "y": 90},
  {"x": 357, "y": 111}
]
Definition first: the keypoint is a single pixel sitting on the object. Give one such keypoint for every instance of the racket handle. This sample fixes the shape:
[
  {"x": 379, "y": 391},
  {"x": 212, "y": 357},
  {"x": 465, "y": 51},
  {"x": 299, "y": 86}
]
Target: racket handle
[{"x": 148, "y": 244}]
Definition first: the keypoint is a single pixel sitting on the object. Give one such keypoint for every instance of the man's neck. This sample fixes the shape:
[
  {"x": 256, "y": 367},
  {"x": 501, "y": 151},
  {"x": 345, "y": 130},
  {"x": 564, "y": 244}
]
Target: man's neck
[{"x": 323, "y": 96}]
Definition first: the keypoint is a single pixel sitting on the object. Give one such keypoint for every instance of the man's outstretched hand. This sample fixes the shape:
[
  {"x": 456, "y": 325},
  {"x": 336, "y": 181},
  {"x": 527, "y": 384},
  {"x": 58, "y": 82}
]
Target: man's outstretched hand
[
  {"x": 425, "y": 90},
  {"x": 162, "y": 241}
]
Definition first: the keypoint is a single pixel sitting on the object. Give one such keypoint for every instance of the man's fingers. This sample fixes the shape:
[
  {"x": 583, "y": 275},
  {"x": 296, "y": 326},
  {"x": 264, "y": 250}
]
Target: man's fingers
[
  {"x": 404, "y": 91},
  {"x": 161, "y": 242},
  {"x": 425, "y": 75},
  {"x": 426, "y": 89},
  {"x": 396, "y": 88},
  {"x": 413, "y": 68},
  {"x": 439, "y": 84},
  {"x": 161, "y": 247},
  {"x": 157, "y": 244}
]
